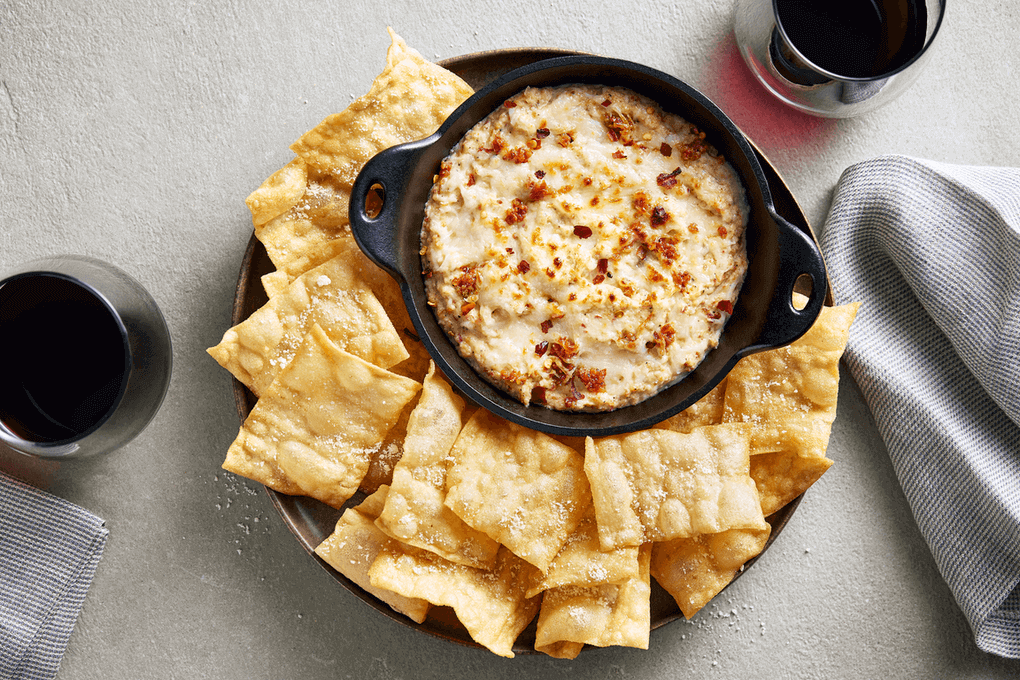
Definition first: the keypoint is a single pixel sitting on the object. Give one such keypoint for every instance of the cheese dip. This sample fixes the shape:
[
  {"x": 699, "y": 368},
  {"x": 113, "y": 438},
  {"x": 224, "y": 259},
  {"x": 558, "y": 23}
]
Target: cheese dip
[{"x": 583, "y": 248}]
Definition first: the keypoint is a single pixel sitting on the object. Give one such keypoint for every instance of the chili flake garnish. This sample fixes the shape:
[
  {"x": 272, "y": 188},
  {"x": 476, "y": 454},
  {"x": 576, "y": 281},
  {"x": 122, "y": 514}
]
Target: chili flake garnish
[
  {"x": 692, "y": 152},
  {"x": 667, "y": 180},
  {"x": 659, "y": 216},
  {"x": 541, "y": 348},
  {"x": 546, "y": 325},
  {"x": 563, "y": 348},
  {"x": 516, "y": 212},
  {"x": 593, "y": 379},
  {"x": 467, "y": 282}
]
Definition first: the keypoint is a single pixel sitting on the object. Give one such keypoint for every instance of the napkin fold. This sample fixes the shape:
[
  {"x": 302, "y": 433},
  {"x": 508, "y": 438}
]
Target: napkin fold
[
  {"x": 49, "y": 550},
  {"x": 932, "y": 251}
]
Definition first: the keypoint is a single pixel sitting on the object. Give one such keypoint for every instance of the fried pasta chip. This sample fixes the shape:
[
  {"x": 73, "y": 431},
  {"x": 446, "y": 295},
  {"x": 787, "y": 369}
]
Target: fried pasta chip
[
  {"x": 605, "y": 615},
  {"x": 415, "y": 512},
  {"x": 353, "y": 546},
  {"x": 522, "y": 488},
  {"x": 316, "y": 428},
  {"x": 275, "y": 282},
  {"x": 334, "y": 297},
  {"x": 490, "y": 603},
  {"x": 706, "y": 411},
  {"x": 784, "y": 475},
  {"x": 657, "y": 485},
  {"x": 302, "y": 210},
  {"x": 409, "y": 100},
  {"x": 696, "y": 569},
  {"x": 582, "y": 562},
  {"x": 279, "y": 193},
  {"x": 305, "y": 234},
  {"x": 788, "y": 397}
]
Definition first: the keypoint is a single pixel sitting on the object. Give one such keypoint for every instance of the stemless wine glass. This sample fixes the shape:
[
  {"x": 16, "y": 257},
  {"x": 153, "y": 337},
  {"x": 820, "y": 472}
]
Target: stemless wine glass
[
  {"x": 836, "y": 58},
  {"x": 86, "y": 357}
]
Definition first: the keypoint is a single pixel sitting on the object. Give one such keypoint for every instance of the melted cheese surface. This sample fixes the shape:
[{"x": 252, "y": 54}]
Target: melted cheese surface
[{"x": 583, "y": 248}]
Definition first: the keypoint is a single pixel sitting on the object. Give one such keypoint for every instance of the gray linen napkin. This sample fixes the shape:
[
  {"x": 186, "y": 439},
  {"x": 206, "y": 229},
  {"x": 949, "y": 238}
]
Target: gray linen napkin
[
  {"x": 933, "y": 252},
  {"x": 49, "y": 549}
]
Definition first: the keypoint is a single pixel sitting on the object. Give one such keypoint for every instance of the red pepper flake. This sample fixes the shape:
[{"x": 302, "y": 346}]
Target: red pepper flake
[
  {"x": 659, "y": 216},
  {"x": 519, "y": 155},
  {"x": 560, "y": 373},
  {"x": 726, "y": 306},
  {"x": 619, "y": 128},
  {"x": 471, "y": 179},
  {"x": 662, "y": 338},
  {"x": 546, "y": 325},
  {"x": 541, "y": 348},
  {"x": 607, "y": 102},
  {"x": 666, "y": 150},
  {"x": 692, "y": 152},
  {"x": 723, "y": 232},
  {"x": 523, "y": 267},
  {"x": 582, "y": 231},
  {"x": 516, "y": 212},
  {"x": 564, "y": 349},
  {"x": 542, "y": 133},
  {"x": 619, "y": 154},
  {"x": 467, "y": 282},
  {"x": 538, "y": 190},
  {"x": 509, "y": 104},
  {"x": 497, "y": 145},
  {"x": 667, "y": 180},
  {"x": 540, "y": 174},
  {"x": 593, "y": 379}
]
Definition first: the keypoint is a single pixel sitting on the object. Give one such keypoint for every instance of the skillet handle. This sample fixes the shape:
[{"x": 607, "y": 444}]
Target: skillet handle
[
  {"x": 798, "y": 256},
  {"x": 379, "y": 236}
]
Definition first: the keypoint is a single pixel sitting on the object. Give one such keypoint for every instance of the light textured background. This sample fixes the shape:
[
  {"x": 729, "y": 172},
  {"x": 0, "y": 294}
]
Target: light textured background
[{"x": 133, "y": 131}]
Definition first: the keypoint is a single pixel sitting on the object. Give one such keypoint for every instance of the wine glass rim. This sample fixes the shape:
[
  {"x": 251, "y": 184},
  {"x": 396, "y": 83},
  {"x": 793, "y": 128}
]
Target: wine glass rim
[
  {"x": 871, "y": 79},
  {"x": 61, "y": 446}
]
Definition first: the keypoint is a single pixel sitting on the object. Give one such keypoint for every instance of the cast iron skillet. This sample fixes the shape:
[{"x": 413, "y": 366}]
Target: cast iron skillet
[{"x": 764, "y": 317}]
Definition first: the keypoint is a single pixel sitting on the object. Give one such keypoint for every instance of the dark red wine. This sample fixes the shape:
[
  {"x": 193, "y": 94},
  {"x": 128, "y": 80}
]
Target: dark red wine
[
  {"x": 64, "y": 355},
  {"x": 855, "y": 38}
]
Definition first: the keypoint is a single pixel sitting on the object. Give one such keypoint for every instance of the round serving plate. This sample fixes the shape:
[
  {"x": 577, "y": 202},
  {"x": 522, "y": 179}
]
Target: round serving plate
[{"x": 312, "y": 522}]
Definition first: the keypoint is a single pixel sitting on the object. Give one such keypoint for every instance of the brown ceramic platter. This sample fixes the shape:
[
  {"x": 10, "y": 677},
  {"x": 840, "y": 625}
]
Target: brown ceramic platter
[{"x": 311, "y": 522}]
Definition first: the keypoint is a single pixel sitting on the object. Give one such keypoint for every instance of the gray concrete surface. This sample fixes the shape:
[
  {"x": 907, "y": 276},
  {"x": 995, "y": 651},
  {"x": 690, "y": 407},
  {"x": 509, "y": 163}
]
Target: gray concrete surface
[{"x": 133, "y": 131}]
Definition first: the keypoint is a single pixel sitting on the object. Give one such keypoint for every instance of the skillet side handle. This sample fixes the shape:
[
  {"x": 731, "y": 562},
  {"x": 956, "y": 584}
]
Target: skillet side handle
[
  {"x": 379, "y": 237},
  {"x": 798, "y": 256}
]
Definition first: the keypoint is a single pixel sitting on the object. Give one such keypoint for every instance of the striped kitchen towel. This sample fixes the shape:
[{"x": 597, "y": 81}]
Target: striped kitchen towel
[
  {"x": 932, "y": 251},
  {"x": 49, "y": 550}
]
